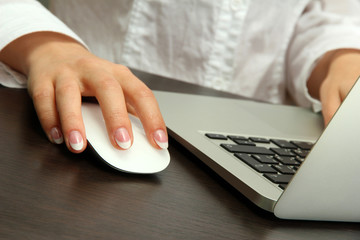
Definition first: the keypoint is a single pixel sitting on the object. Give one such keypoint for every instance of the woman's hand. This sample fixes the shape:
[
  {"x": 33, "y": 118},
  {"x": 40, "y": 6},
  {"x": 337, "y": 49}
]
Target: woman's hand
[
  {"x": 60, "y": 71},
  {"x": 332, "y": 79}
]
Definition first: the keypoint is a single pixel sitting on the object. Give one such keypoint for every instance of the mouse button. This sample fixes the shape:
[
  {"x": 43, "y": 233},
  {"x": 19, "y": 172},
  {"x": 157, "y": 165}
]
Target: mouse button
[{"x": 94, "y": 123}]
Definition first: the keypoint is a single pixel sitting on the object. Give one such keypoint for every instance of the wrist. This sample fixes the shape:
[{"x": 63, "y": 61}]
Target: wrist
[{"x": 25, "y": 51}]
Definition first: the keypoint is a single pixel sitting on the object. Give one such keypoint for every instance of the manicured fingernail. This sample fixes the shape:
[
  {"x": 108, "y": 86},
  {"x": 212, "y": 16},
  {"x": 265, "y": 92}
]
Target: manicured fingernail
[
  {"x": 56, "y": 135},
  {"x": 161, "y": 139},
  {"x": 76, "y": 140},
  {"x": 122, "y": 138}
]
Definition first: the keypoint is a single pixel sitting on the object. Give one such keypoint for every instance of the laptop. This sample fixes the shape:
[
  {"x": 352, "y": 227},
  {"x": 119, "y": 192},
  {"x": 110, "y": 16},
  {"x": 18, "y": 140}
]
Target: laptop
[{"x": 280, "y": 157}]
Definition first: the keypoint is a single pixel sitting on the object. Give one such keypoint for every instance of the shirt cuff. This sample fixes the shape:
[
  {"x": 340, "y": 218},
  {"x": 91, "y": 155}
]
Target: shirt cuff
[
  {"x": 19, "y": 18},
  {"x": 10, "y": 78}
]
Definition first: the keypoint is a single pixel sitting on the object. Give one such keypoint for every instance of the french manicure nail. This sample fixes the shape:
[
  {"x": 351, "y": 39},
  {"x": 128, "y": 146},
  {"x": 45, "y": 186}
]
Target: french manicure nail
[
  {"x": 56, "y": 135},
  {"x": 161, "y": 139},
  {"x": 122, "y": 138},
  {"x": 76, "y": 140}
]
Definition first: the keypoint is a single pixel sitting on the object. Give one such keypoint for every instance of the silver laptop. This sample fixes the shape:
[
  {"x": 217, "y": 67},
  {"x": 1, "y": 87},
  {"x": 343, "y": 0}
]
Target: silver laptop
[{"x": 280, "y": 157}]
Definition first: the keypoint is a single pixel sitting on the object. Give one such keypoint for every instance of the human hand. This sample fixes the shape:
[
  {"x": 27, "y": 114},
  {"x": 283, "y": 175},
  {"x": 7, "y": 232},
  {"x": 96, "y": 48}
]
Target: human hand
[
  {"x": 333, "y": 78},
  {"x": 60, "y": 71}
]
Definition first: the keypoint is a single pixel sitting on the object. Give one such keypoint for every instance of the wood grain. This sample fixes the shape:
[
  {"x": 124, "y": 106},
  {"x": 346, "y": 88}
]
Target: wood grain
[{"x": 46, "y": 192}]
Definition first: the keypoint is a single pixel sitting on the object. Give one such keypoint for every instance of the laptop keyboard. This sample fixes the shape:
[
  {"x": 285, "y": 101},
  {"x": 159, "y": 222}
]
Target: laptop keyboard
[{"x": 276, "y": 159}]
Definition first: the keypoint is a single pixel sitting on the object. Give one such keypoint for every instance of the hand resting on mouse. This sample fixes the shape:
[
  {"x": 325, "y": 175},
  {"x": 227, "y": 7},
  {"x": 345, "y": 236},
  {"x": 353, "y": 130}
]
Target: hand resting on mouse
[
  {"x": 141, "y": 158},
  {"x": 60, "y": 71}
]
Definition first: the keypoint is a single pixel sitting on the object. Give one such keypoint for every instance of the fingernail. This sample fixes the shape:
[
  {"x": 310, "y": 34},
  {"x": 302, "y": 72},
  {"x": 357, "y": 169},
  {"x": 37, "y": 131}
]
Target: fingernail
[
  {"x": 76, "y": 140},
  {"x": 56, "y": 135},
  {"x": 161, "y": 139},
  {"x": 122, "y": 138}
]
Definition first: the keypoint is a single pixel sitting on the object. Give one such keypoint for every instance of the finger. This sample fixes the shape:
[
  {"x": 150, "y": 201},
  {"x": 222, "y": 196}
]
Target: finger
[
  {"x": 68, "y": 102},
  {"x": 110, "y": 96},
  {"x": 345, "y": 88},
  {"x": 131, "y": 109},
  {"x": 144, "y": 102},
  {"x": 43, "y": 95},
  {"x": 331, "y": 101}
]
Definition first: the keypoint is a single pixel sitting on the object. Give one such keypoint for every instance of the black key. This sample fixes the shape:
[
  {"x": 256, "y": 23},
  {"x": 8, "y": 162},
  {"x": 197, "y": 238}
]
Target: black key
[
  {"x": 244, "y": 142},
  {"x": 265, "y": 159},
  {"x": 301, "y": 153},
  {"x": 284, "y": 169},
  {"x": 235, "y": 137},
  {"x": 262, "y": 168},
  {"x": 234, "y": 148},
  {"x": 278, "y": 178},
  {"x": 283, "y": 143},
  {"x": 300, "y": 159},
  {"x": 259, "y": 140},
  {"x": 216, "y": 136},
  {"x": 303, "y": 145},
  {"x": 283, "y": 152},
  {"x": 282, "y": 186},
  {"x": 287, "y": 160}
]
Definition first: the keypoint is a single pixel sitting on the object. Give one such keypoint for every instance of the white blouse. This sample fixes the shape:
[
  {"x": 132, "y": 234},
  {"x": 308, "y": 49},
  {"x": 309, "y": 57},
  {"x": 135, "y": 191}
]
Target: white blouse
[{"x": 265, "y": 50}]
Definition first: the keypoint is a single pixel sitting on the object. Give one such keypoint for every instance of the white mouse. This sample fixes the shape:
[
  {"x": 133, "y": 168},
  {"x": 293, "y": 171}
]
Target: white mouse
[{"x": 140, "y": 158}]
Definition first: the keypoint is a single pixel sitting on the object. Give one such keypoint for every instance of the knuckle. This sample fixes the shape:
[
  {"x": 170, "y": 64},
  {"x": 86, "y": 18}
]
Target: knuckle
[
  {"x": 144, "y": 93},
  {"x": 124, "y": 72},
  {"x": 86, "y": 62},
  {"x": 115, "y": 116},
  {"x": 41, "y": 94},
  {"x": 70, "y": 117},
  {"x": 66, "y": 87},
  {"x": 46, "y": 117},
  {"x": 108, "y": 83},
  {"x": 124, "y": 69}
]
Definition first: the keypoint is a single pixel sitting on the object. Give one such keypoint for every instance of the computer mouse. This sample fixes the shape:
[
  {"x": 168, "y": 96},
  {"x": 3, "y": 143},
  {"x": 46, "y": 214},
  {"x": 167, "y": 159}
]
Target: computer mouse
[{"x": 141, "y": 158}]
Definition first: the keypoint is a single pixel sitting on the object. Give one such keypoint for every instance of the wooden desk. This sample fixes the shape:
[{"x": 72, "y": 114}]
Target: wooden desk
[{"x": 46, "y": 192}]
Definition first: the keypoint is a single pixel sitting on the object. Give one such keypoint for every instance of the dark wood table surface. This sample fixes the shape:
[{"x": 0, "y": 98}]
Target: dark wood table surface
[{"x": 46, "y": 192}]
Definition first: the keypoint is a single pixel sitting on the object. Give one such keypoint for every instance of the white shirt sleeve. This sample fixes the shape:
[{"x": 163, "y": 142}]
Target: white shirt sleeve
[
  {"x": 324, "y": 26},
  {"x": 21, "y": 17}
]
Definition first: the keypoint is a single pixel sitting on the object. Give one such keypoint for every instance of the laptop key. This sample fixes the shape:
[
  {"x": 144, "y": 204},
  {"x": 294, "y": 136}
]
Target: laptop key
[
  {"x": 284, "y": 169},
  {"x": 287, "y": 160},
  {"x": 236, "y": 137},
  {"x": 283, "y": 143},
  {"x": 301, "y": 153},
  {"x": 303, "y": 145},
  {"x": 244, "y": 142},
  {"x": 259, "y": 140},
  {"x": 300, "y": 159},
  {"x": 283, "y": 152},
  {"x": 216, "y": 136},
  {"x": 260, "y": 167},
  {"x": 265, "y": 159},
  {"x": 235, "y": 148},
  {"x": 279, "y": 178}
]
